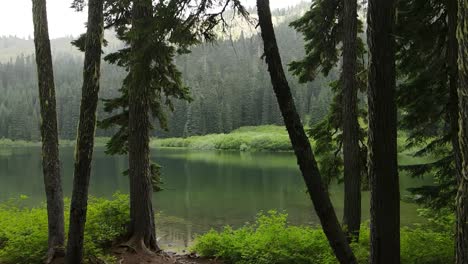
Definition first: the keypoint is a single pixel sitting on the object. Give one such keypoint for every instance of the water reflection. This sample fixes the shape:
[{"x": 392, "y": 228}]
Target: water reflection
[{"x": 203, "y": 190}]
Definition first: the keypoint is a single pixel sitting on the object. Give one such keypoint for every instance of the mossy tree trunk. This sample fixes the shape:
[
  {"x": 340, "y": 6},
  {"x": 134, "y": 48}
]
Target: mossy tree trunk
[
  {"x": 142, "y": 227},
  {"x": 452, "y": 62},
  {"x": 351, "y": 149},
  {"x": 49, "y": 133},
  {"x": 300, "y": 141},
  {"x": 86, "y": 131},
  {"x": 462, "y": 193},
  {"x": 383, "y": 166}
]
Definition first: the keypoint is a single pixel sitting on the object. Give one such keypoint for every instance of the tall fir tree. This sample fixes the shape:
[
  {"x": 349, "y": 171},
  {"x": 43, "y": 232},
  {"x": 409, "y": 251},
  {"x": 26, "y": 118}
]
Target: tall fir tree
[
  {"x": 350, "y": 127},
  {"x": 49, "y": 133},
  {"x": 427, "y": 95},
  {"x": 86, "y": 130},
  {"x": 331, "y": 29},
  {"x": 155, "y": 33},
  {"x": 462, "y": 193},
  {"x": 383, "y": 164},
  {"x": 300, "y": 141}
]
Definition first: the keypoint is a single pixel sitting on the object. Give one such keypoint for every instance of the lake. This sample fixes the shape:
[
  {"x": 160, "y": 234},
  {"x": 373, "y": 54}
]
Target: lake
[{"x": 203, "y": 189}]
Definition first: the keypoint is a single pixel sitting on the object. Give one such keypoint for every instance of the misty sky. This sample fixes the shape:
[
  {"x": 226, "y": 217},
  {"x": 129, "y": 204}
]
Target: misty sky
[{"x": 16, "y": 17}]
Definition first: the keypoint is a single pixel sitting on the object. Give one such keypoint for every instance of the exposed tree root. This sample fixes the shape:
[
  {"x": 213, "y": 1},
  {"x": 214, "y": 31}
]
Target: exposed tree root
[
  {"x": 54, "y": 253},
  {"x": 137, "y": 245},
  {"x": 135, "y": 250}
]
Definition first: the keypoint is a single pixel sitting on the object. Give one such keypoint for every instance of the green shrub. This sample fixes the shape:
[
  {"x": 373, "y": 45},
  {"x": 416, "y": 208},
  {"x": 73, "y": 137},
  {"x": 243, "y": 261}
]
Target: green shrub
[
  {"x": 106, "y": 222},
  {"x": 271, "y": 240},
  {"x": 271, "y": 143},
  {"x": 23, "y": 231},
  {"x": 23, "y": 235},
  {"x": 261, "y": 138}
]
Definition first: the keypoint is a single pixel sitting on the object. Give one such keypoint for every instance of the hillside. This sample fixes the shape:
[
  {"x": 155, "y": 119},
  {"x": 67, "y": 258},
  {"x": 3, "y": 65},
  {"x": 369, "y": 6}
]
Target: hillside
[{"x": 228, "y": 80}]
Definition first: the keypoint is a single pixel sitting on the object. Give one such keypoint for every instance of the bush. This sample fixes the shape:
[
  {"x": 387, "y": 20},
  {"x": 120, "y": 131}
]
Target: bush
[
  {"x": 23, "y": 231},
  {"x": 261, "y": 138},
  {"x": 271, "y": 240}
]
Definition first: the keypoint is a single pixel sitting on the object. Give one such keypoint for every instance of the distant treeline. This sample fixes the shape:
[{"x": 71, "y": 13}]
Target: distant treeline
[{"x": 229, "y": 83}]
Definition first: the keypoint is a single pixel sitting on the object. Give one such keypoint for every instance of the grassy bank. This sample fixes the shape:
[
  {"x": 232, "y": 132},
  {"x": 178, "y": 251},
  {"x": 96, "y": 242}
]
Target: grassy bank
[
  {"x": 260, "y": 138},
  {"x": 270, "y": 240},
  {"x": 264, "y": 138},
  {"x": 23, "y": 230},
  {"x": 251, "y": 138},
  {"x": 9, "y": 143}
]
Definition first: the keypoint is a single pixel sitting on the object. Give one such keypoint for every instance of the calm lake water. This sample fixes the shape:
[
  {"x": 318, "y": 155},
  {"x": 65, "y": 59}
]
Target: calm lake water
[{"x": 203, "y": 190}]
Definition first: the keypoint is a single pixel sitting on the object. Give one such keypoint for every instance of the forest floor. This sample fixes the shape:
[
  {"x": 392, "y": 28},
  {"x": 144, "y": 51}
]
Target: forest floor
[
  {"x": 133, "y": 258},
  {"x": 166, "y": 258}
]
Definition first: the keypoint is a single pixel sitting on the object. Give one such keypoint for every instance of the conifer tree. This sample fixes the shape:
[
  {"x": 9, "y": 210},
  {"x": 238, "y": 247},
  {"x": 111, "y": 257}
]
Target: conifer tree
[
  {"x": 49, "y": 133},
  {"x": 350, "y": 127},
  {"x": 299, "y": 140},
  {"x": 327, "y": 25},
  {"x": 86, "y": 130},
  {"x": 462, "y": 193},
  {"x": 383, "y": 164},
  {"x": 158, "y": 32},
  {"x": 427, "y": 94}
]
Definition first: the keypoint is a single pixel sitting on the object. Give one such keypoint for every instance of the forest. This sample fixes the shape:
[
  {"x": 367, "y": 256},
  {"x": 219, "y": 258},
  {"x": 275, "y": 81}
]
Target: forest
[
  {"x": 236, "y": 60},
  {"x": 236, "y": 131}
]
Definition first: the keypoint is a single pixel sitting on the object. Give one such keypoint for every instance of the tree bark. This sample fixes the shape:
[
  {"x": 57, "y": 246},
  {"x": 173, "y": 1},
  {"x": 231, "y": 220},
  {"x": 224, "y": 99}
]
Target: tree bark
[
  {"x": 299, "y": 140},
  {"x": 86, "y": 131},
  {"x": 49, "y": 133},
  {"x": 452, "y": 58},
  {"x": 462, "y": 193},
  {"x": 383, "y": 165},
  {"x": 452, "y": 62},
  {"x": 142, "y": 227},
  {"x": 351, "y": 150}
]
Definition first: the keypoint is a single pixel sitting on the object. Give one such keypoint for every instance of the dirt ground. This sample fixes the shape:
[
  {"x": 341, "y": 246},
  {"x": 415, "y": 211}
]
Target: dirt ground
[{"x": 162, "y": 258}]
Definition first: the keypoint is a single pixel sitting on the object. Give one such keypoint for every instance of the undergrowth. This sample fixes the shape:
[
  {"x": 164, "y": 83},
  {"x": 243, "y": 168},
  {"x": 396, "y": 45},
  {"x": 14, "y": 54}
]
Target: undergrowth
[
  {"x": 23, "y": 230},
  {"x": 271, "y": 240}
]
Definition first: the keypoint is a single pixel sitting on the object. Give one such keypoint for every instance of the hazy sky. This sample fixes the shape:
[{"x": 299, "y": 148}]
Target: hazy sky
[{"x": 16, "y": 17}]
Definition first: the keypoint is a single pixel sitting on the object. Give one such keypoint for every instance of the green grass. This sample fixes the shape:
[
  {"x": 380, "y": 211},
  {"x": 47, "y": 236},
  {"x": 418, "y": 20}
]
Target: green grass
[
  {"x": 264, "y": 138},
  {"x": 271, "y": 240},
  {"x": 9, "y": 143},
  {"x": 23, "y": 230},
  {"x": 5, "y": 142},
  {"x": 260, "y": 138}
]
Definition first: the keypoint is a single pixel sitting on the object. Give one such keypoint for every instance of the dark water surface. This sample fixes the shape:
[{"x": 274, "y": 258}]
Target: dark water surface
[{"x": 203, "y": 190}]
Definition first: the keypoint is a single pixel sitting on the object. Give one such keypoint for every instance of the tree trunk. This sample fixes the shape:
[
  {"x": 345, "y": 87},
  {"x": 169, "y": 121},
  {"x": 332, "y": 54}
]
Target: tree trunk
[
  {"x": 351, "y": 150},
  {"x": 49, "y": 133},
  {"x": 462, "y": 194},
  {"x": 86, "y": 131},
  {"x": 452, "y": 57},
  {"x": 142, "y": 227},
  {"x": 300, "y": 142},
  {"x": 383, "y": 165},
  {"x": 452, "y": 62}
]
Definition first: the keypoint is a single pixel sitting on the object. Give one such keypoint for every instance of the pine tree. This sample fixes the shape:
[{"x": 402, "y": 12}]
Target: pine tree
[
  {"x": 351, "y": 148},
  {"x": 86, "y": 131},
  {"x": 383, "y": 165},
  {"x": 142, "y": 227},
  {"x": 427, "y": 94},
  {"x": 49, "y": 133},
  {"x": 327, "y": 25},
  {"x": 462, "y": 193},
  {"x": 155, "y": 35},
  {"x": 299, "y": 140}
]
